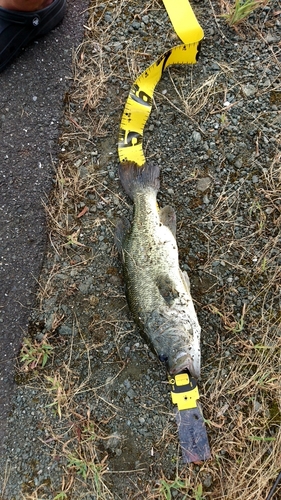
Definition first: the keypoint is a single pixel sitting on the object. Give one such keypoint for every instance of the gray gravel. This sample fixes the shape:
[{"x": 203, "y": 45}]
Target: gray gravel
[{"x": 215, "y": 153}]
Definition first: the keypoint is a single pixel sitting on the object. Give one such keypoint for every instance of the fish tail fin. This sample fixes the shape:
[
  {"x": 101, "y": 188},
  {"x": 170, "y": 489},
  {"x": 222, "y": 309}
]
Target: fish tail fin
[{"x": 133, "y": 177}]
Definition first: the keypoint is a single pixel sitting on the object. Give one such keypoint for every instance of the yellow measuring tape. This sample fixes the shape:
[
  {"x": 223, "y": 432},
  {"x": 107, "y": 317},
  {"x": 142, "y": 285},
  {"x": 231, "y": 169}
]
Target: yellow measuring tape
[
  {"x": 184, "y": 391},
  {"x": 139, "y": 103}
]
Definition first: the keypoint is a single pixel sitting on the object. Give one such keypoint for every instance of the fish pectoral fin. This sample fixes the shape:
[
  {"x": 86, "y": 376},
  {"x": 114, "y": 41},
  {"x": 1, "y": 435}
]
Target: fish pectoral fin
[
  {"x": 167, "y": 216},
  {"x": 123, "y": 227},
  {"x": 185, "y": 280},
  {"x": 167, "y": 288}
]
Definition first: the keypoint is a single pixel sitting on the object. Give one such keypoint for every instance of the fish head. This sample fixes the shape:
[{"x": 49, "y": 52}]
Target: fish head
[{"x": 176, "y": 340}]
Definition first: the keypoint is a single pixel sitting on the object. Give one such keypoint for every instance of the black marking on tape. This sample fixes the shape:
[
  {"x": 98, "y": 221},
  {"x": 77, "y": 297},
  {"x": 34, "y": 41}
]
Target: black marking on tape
[
  {"x": 198, "y": 51},
  {"x": 140, "y": 96},
  {"x": 129, "y": 139},
  {"x": 164, "y": 58}
]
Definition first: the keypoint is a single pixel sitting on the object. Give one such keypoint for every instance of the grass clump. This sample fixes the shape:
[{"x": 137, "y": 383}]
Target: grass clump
[
  {"x": 35, "y": 354},
  {"x": 240, "y": 10},
  {"x": 168, "y": 489}
]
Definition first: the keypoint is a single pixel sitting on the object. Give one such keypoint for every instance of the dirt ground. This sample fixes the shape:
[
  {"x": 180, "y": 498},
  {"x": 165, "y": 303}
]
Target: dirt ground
[{"x": 92, "y": 415}]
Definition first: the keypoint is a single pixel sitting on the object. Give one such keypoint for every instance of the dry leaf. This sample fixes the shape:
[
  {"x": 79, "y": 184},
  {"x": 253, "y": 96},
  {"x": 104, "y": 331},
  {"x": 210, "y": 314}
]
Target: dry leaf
[{"x": 83, "y": 212}]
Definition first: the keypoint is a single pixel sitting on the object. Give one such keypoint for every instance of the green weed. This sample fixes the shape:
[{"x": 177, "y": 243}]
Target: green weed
[
  {"x": 57, "y": 392},
  {"x": 263, "y": 264},
  {"x": 89, "y": 469},
  {"x": 79, "y": 465},
  {"x": 61, "y": 496},
  {"x": 34, "y": 354},
  {"x": 166, "y": 488},
  {"x": 264, "y": 439},
  {"x": 198, "y": 492},
  {"x": 240, "y": 10}
]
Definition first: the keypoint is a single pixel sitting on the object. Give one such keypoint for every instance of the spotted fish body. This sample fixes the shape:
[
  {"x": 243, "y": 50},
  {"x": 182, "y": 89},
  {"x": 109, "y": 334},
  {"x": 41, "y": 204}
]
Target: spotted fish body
[{"x": 158, "y": 291}]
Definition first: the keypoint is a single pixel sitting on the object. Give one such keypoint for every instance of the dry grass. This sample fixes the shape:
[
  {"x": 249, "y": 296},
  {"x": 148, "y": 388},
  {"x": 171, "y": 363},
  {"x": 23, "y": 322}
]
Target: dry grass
[
  {"x": 246, "y": 415},
  {"x": 242, "y": 397},
  {"x": 84, "y": 468}
]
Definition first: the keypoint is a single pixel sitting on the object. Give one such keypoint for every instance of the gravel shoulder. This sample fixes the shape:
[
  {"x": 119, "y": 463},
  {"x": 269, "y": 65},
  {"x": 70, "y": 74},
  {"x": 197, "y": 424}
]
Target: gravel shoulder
[{"x": 96, "y": 422}]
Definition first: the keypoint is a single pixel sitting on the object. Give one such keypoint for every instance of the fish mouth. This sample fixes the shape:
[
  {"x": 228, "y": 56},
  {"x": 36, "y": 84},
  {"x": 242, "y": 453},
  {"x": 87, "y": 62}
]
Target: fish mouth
[{"x": 183, "y": 361}]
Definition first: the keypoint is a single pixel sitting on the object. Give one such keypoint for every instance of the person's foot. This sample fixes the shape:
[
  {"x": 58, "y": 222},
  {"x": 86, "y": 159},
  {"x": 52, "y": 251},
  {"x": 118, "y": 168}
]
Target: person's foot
[{"x": 19, "y": 28}]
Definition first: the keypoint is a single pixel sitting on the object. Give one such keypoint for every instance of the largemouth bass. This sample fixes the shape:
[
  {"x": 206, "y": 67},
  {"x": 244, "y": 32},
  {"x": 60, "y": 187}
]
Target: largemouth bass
[{"x": 158, "y": 292}]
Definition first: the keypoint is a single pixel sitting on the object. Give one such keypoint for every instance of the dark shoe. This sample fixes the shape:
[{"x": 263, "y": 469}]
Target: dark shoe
[{"x": 18, "y": 29}]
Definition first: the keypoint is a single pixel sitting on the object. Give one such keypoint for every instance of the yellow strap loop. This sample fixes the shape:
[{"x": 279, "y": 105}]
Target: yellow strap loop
[{"x": 183, "y": 20}]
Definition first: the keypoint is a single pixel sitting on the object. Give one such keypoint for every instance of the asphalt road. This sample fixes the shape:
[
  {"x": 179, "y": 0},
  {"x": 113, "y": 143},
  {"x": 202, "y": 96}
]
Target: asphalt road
[{"x": 31, "y": 105}]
